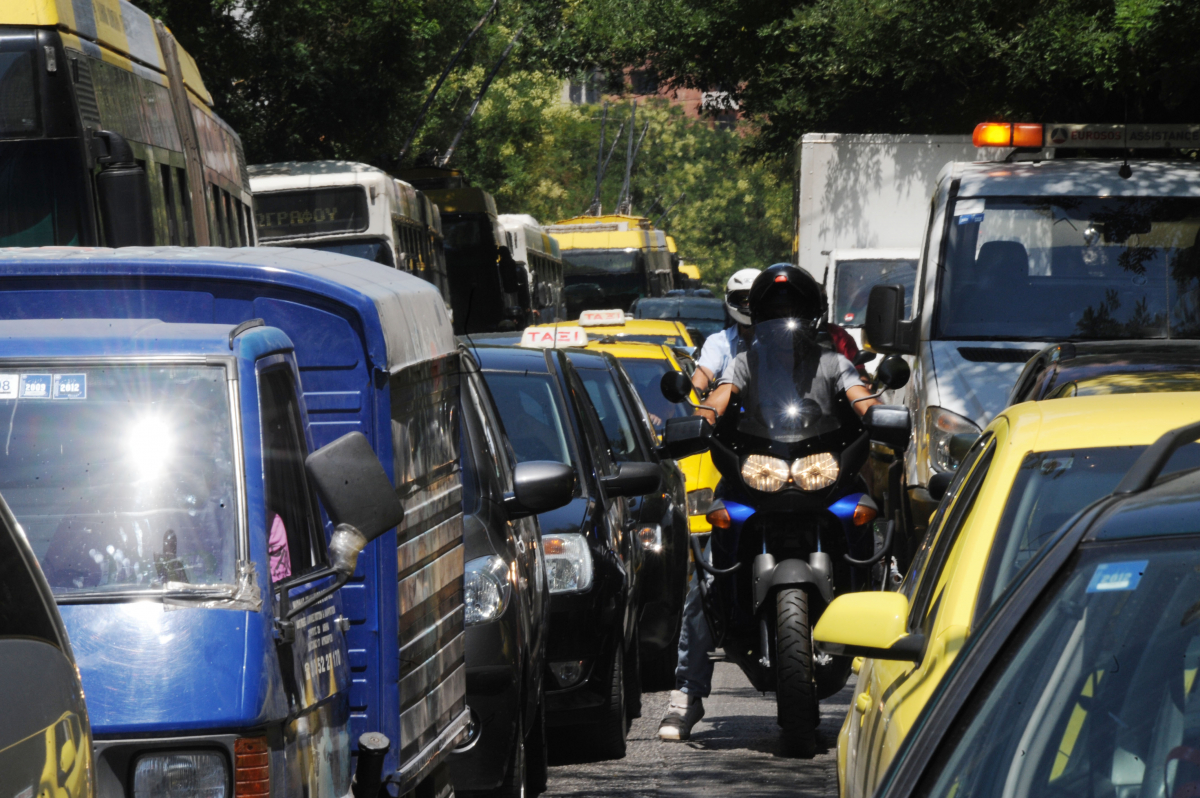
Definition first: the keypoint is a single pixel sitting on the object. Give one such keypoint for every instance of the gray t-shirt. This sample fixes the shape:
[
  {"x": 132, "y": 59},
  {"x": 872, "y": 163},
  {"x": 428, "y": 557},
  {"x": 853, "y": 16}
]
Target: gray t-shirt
[{"x": 825, "y": 377}]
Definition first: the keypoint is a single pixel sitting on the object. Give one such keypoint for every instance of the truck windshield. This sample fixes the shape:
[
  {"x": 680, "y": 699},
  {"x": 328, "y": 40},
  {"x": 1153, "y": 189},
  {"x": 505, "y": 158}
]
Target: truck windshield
[
  {"x": 42, "y": 200},
  {"x": 602, "y": 261},
  {"x": 122, "y": 477},
  {"x": 856, "y": 278},
  {"x": 1054, "y": 268}
]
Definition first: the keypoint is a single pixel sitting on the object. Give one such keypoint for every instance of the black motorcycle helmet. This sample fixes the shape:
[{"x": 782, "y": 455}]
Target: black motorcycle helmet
[{"x": 784, "y": 291}]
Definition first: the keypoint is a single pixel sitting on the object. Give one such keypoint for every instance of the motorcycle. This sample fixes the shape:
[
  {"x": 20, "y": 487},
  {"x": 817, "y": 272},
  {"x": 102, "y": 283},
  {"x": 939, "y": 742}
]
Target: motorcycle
[{"x": 794, "y": 525}]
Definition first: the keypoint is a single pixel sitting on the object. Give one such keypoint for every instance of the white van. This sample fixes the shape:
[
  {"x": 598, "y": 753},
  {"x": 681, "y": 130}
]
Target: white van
[{"x": 1021, "y": 254}]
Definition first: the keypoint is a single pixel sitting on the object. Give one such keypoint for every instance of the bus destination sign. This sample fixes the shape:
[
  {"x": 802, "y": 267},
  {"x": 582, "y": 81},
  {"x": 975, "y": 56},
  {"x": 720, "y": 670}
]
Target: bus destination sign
[{"x": 309, "y": 212}]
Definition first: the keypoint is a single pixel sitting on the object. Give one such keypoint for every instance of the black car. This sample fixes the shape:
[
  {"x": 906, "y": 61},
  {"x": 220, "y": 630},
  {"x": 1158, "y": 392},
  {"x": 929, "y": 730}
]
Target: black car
[
  {"x": 1093, "y": 367},
  {"x": 660, "y": 518},
  {"x": 1081, "y": 681},
  {"x": 507, "y": 605},
  {"x": 703, "y": 315},
  {"x": 592, "y": 557},
  {"x": 45, "y": 738}
]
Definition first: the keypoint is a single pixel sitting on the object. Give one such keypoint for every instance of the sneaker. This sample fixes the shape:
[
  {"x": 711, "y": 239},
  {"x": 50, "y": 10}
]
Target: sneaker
[{"x": 684, "y": 712}]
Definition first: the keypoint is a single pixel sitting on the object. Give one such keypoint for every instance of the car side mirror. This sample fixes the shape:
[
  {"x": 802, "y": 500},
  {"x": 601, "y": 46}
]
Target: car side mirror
[
  {"x": 675, "y": 386},
  {"x": 893, "y": 372},
  {"x": 890, "y": 425},
  {"x": 938, "y": 483},
  {"x": 960, "y": 444},
  {"x": 885, "y": 329},
  {"x": 869, "y": 624},
  {"x": 122, "y": 192},
  {"x": 632, "y": 479},
  {"x": 538, "y": 487},
  {"x": 685, "y": 436}
]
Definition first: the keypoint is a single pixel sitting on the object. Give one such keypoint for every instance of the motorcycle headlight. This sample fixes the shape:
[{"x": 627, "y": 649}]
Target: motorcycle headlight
[
  {"x": 486, "y": 589},
  {"x": 765, "y": 473},
  {"x": 815, "y": 471},
  {"x": 181, "y": 774},
  {"x": 568, "y": 563},
  {"x": 940, "y": 426}
]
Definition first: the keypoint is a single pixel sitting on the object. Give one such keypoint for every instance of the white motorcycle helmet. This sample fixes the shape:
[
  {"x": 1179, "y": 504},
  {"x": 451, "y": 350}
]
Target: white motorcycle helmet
[{"x": 737, "y": 294}]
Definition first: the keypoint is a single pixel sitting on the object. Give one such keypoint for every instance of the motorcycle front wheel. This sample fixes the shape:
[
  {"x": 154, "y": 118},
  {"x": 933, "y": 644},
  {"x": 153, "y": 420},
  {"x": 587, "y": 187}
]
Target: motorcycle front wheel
[{"x": 795, "y": 689}]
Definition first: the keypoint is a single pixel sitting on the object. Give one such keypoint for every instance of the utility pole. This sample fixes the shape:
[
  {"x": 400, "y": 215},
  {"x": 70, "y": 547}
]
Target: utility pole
[
  {"x": 416, "y": 126},
  {"x": 487, "y": 84}
]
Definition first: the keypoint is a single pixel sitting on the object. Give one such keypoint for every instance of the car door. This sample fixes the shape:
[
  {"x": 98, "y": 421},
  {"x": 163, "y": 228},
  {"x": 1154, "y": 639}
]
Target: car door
[
  {"x": 884, "y": 685},
  {"x": 314, "y": 666}
]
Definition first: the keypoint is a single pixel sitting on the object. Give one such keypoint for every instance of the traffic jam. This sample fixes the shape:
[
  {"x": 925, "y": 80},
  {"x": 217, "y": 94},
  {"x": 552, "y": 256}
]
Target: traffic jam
[{"x": 364, "y": 488}]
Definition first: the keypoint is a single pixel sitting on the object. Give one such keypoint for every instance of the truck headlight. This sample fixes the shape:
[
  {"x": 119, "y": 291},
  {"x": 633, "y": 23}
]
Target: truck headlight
[
  {"x": 181, "y": 774},
  {"x": 940, "y": 426},
  {"x": 486, "y": 589},
  {"x": 699, "y": 501},
  {"x": 568, "y": 562},
  {"x": 815, "y": 471},
  {"x": 765, "y": 473}
]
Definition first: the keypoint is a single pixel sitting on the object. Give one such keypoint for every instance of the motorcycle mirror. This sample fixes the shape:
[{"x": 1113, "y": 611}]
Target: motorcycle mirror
[
  {"x": 893, "y": 372},
  {"x": 890, "y": 425},
  {"x": 675, "y": 386},
  {"x": 863, "y": 357},
  {"x": 683, "y": 437},
  {"x": 938, "y": 483}
]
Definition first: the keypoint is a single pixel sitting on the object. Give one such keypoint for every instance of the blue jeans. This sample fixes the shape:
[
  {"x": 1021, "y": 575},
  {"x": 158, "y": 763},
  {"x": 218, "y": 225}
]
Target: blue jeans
[{"x": 693, "y": 673}]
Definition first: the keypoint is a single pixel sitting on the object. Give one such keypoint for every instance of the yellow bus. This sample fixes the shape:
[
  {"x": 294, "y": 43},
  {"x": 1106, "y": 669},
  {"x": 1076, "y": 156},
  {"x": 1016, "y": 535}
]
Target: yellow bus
[
  {"x": 609, "y": 261},
  {"x": 107, "y": 134}
]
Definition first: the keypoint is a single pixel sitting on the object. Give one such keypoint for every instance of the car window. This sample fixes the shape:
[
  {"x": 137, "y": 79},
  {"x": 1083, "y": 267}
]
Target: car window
[
  {"x": 493, "y": 442},
  {"x": 639, "y": 409},
  {"x": 23, "y": 608},
  {"x": 593, "y": 430},
  {"x": 646, "y": 375},
  {"x": 533, "y": 416},
  {"x": 927, "y": 599},
  {"x": 602, "y": 389},
  {"x": 1049, "y": 488}
]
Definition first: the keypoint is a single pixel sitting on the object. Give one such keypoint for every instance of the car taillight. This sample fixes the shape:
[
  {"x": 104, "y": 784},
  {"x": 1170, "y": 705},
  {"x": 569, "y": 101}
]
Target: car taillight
[{"x": 252, "y": 768}]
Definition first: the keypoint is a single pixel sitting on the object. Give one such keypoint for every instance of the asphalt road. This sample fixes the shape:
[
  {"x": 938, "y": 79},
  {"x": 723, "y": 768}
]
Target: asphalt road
[{"x": 734, "y": 750}]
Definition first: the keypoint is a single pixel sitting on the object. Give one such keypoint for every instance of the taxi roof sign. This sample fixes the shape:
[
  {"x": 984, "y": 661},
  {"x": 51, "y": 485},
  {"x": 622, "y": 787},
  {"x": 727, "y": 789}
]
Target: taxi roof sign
[
  {"x": 1094, "y": 136},
  {"x": 602, "y": 318},
  {"x": 554, "y": 337}
]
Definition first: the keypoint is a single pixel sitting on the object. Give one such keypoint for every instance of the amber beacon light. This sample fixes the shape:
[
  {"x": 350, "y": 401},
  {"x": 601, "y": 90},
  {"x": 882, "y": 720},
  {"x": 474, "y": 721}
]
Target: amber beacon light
[{"x": 1007, "y": 134}]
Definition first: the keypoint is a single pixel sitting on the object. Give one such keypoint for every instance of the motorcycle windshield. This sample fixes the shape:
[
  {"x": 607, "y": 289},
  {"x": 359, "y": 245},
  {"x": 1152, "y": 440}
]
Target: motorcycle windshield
[{"x": 786, "y": 397}]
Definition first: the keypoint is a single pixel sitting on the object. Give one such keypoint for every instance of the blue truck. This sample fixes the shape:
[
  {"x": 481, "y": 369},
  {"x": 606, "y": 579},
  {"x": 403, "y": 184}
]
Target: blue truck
[{"x": 374, "y": 353}]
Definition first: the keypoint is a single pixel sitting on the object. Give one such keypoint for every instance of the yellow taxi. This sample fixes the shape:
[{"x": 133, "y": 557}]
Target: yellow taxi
[
  {"x": 616, "y": 325},
  {"x": 1036, "y": 465},
  {"x": 646, "y": 363}
]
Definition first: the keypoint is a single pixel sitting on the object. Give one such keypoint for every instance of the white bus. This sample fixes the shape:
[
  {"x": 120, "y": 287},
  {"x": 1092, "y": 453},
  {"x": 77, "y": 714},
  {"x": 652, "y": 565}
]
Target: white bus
[
  {"x": 350, "y": 208},
  {"x": 537, "y": 253}
]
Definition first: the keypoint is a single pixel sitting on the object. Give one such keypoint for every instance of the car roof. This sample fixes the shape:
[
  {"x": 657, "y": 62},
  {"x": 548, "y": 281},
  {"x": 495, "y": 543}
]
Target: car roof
[
  {"x": 406, "y": 313},
  {"x": 511, "y": 358},
  {"x": 633, "y": 349},
  {"x": 1096, "y": 421},
  {"x": 129, "y": 337},
  {"x": 1068, "y": 177},
  {"x": 1110, "y": 366}
]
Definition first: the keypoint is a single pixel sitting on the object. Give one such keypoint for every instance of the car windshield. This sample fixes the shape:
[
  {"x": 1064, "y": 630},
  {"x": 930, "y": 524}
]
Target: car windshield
[
  {"x": 706, "y": 315},
  {"x": 618, "y": 428},
  {"x": 646, "y": 376},
  {"x": 856, "y": 278},
  {"x": 601, "y": 261},
  {"x": 122, "y": 476},
  {"x": 532, "y": 414},
  {"x": 1040, "y": 268},
  {"x": 376, "y": 250},
  {"x": 1097, "y": 696},
  {"x": 1050, "y": 487}
]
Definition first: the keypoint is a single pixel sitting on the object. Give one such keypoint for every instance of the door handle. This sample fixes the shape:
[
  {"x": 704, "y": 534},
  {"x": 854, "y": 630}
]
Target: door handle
[{"x": 863, "y": 702}]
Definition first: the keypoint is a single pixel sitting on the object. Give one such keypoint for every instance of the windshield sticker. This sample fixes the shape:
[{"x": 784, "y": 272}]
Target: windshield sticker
[
  {"x": 1117, "y": 576},
  {"x": 70, "y": 386},
  {"x": 970, "y": 218},
  {"x": 8, "y": 385},
  {"x": 969, "y": 207},
  {"x": 35, "y": 386}
]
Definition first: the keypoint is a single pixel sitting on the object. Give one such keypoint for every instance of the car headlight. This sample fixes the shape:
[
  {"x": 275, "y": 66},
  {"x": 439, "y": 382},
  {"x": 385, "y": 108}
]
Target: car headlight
[
  {"x": 568, "y": 563},
  {"x": 650, "y": 537},
  {"x": 815, "y": 471},
  {"x": 765, "y": 473},
  {"x": 181, "y": 774},
  {"x": 940, "y": 426},
  {"x": 486, "y": 589},
  {"x": 699, "y": 501}
]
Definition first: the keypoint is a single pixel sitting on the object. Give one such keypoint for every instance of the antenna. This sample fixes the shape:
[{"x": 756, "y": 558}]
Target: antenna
[
  {"x": 594, "y": 208},
  {"x": 670, "y": 208},
  {"x": 416, "y": 126},
  {"x": 604, "y": 170},
  {"x": 622, "y": 205},
  {"x": 487, "y": 84},
  {"x": 625, "y": 204}
]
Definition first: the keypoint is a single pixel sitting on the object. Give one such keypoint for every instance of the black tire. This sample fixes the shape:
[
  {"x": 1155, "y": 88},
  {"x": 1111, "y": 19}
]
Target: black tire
[
  {"x": 606, "y": 739},
  {"x": 795, "y": 690},
  {"x": 633, "y": 678},
  {"x": 537, "y": 761},
  {"x": 517, "y": 777}
]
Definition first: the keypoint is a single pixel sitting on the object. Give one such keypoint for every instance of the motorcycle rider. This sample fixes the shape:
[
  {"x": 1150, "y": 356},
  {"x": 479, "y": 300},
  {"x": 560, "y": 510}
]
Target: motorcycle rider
[
  {"x": 719, "y": 350},
  {"x": 780, "y": 292}
]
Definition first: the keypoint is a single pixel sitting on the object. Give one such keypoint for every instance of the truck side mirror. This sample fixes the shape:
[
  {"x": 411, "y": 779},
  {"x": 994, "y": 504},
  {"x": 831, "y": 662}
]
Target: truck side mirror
[
  {"x": 885, "y": 329},
  {"x": 893, "y": 372},
  {"x": 539, "y": 486},
  {"x": 123, "y": 193},
  {"x": 686, "y": 436},
  {"x": 890, "y": 425},
  {"x": 675, "y": 386}
]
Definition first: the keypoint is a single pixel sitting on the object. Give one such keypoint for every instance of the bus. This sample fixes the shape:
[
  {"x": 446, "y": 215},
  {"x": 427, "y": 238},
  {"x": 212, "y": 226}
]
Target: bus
[
  {"x": 610, "y": 261},
  {"x": 537, "y": 253},
  {"x": 485, "y": 282},
  {"x": 350, "y": 208},
  {"x": 108, "y": 135}
]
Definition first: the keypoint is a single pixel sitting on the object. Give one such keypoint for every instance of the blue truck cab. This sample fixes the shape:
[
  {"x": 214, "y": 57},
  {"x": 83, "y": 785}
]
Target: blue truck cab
[{"x": 373, "y": 352}]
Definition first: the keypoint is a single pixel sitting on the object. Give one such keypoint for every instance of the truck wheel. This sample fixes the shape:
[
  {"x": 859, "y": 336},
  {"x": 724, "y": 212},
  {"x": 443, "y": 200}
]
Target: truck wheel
[
  {"x": 607, "y": 738},
  {"x": 537, "y": 761},
  {"x": 795, "y": 691},
  {"x": 633, "y": 678}
]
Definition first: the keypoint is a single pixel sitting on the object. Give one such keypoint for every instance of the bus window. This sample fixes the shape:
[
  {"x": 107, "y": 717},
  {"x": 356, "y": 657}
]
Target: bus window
[
  {"x": 172, "y": 208},
  {"x": 231, "y": 218},
  {"x": 218, "y": 226},
  {"x": 42, "y": 193},
  {"x": 188, "y": 232}
]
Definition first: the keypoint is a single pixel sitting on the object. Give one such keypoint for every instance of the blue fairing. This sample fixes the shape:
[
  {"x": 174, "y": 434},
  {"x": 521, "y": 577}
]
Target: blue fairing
[
  {"x": 147, "y": 669},
  {"x": 843, "y": 508}
]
